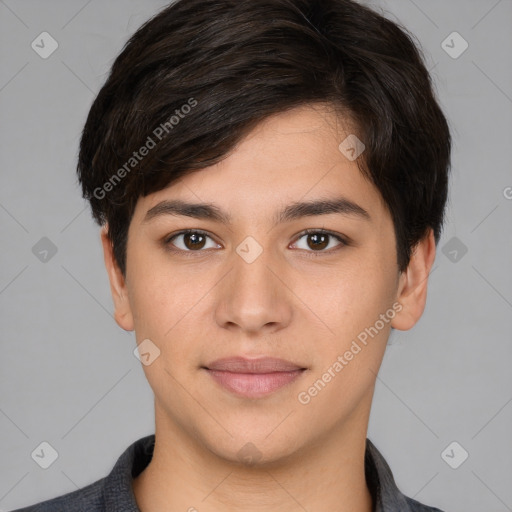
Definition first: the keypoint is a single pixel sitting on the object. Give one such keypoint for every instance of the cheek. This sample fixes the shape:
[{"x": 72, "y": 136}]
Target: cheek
[
  {"x": 347, "y": 361},
  {"x": 353, "y": 297},
  {"x": 159, "y": 295},
  {"x": 351, "y": 303},
  {"x": 167, "y": 307}
]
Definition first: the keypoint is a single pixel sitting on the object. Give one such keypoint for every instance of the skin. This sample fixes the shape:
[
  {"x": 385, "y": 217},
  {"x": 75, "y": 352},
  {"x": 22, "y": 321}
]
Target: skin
[{"x": 296, "y": 301}]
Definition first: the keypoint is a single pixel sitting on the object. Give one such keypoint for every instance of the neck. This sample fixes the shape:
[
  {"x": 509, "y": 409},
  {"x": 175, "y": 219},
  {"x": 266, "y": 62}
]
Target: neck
[{"x": 185, "y": 475}]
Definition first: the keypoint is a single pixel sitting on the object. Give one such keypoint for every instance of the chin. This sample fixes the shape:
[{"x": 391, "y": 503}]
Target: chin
[{"x": 253, "y": 448}]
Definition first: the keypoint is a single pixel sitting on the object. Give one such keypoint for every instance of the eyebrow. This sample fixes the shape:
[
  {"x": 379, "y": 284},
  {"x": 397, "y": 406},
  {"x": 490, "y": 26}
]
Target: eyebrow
[{"x": 293, "y": 211}]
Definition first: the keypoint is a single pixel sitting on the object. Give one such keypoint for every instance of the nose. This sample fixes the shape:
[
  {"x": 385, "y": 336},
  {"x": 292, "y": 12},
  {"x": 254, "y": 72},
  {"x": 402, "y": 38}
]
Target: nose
[{"x": 254, "y": 297}]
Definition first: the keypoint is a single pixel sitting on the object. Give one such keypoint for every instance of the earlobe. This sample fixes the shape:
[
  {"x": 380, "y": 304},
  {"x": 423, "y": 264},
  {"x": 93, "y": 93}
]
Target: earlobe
[
  {"x": 122, "y": 309},
  {"x": 412, "y": 289}
]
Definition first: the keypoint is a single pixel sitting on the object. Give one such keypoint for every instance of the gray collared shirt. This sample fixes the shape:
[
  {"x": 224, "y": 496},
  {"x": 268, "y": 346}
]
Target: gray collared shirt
[{"x": 114, "y": 492}]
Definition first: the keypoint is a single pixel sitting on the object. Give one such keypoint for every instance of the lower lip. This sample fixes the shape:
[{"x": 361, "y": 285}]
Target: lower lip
[{"x": 254, "y": 385}]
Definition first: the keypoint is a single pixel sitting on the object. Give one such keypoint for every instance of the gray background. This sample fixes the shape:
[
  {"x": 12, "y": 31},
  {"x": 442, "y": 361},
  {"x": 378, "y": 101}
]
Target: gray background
[{"x": 67, "y": 372}]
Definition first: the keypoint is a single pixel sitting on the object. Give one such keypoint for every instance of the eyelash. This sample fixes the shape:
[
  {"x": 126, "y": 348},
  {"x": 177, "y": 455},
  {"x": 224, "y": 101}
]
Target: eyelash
[{"x": 343, "y": 241}]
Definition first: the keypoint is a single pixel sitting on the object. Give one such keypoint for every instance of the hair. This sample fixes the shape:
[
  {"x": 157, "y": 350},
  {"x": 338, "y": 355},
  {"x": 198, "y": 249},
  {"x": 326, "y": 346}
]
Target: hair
[{"x": 201, "y": 74}]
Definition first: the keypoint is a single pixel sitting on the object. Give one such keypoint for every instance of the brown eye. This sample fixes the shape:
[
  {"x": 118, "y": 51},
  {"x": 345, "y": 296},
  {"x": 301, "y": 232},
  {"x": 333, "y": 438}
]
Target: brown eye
[
  {"x": 191, "y": 241},
  {"x": 194, "y": 241},
  {"x": 319, "y": 241}
]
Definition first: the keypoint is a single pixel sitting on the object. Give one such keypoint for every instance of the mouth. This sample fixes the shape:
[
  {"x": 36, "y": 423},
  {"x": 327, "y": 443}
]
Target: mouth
[{"x": 253, "y": 378}]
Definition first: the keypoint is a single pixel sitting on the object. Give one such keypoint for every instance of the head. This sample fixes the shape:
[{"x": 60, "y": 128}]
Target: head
[{"x": 221, "y": 116}]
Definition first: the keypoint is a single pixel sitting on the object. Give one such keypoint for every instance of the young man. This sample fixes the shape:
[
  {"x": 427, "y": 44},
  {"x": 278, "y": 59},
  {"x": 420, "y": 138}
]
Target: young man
[{"x": 271, "y": 178}]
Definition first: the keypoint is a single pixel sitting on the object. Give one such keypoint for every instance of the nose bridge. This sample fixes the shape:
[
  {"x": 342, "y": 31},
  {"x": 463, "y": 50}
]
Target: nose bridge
[
  {"x": 252, "y": 296},
  {"x": 252, "y": 276}
]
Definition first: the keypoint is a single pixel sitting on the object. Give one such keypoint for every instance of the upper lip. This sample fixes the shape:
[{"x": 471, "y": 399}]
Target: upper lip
[{"x": 259, "y": 365}]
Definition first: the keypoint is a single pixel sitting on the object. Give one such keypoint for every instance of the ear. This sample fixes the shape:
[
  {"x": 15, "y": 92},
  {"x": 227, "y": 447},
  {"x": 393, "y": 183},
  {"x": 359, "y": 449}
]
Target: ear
[
  {"x": 412, "y": 287},
  {"x": 122, "y": 310}
]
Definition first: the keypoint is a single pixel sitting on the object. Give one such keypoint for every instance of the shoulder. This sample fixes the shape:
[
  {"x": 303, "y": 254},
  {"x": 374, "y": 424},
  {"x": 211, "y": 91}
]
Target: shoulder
[
  {"x": 113, "y": 493},
  {"x": 87, "y": 499},
  {"x": 381, "y": 483},
  {"x": 416, "y": 506}
]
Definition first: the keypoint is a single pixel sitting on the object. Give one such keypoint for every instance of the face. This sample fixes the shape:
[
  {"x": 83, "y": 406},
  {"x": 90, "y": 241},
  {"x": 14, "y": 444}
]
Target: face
[{"x": 288, "y": 254}]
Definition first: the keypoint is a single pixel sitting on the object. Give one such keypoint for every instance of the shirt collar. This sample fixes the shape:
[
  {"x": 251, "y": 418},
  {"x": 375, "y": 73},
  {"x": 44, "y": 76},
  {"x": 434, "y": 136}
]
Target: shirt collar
[
  {"x": 379, "y": 478},
  {"x": 119, "y": 496}
]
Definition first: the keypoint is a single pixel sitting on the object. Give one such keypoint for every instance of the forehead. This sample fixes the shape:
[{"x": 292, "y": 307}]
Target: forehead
[{"x": 289, "y": 157}]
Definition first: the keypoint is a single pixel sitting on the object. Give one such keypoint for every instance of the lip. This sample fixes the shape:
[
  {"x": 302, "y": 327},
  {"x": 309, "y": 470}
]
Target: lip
[{"x": 253, "y": 378}]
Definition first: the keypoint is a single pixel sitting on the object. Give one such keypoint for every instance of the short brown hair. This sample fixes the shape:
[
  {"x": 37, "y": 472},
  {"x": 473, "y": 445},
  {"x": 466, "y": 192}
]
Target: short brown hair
[{"x": 208, "y": 71}]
